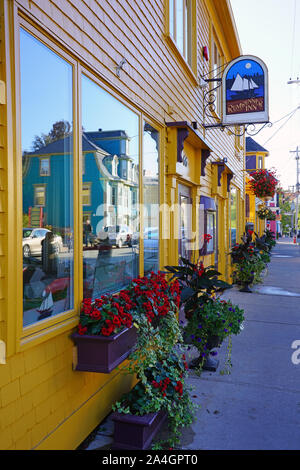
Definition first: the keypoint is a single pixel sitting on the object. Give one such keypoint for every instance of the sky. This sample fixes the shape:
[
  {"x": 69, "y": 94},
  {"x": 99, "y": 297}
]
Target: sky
[{"x": 270, "y": 30}]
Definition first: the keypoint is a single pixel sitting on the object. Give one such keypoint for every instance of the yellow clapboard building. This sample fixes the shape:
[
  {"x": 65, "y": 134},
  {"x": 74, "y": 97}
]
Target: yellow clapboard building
[
  {"x": 256, "y": 156},
  {"x": 103, "y": 108}
]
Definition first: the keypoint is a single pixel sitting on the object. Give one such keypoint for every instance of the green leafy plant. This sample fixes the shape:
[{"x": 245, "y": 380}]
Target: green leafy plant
[
  {"x": 156, "y": 361},
  {"x": 249, "y": 259},
  {"x": 198, "y": 283},
  {"x": 163, "y": 388},
  {"x": 270, "y": 238},
  {"x": 210, "y": 323}
]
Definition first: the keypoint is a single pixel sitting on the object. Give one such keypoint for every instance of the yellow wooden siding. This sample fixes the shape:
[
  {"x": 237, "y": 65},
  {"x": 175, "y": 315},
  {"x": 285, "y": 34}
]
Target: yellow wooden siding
[
  {"x": 3, "y": 181},
  {"x": 43, "y": 402}
]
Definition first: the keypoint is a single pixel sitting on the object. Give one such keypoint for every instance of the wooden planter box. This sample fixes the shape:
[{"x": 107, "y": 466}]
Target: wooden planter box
[
  {"x": 96, "y": 353},
  {"x": 134, "y": 432}
]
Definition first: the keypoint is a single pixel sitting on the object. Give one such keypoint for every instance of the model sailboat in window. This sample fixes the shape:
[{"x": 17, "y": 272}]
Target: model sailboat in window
[{"x": 46, "y": 307}]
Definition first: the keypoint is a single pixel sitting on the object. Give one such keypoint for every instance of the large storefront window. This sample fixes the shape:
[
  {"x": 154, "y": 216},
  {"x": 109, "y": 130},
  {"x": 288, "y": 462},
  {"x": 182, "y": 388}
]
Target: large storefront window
[
  {"x": 151, "y": 198},
  {"x": 110, "y": 145},
  {"x": 47, "y": 167}
]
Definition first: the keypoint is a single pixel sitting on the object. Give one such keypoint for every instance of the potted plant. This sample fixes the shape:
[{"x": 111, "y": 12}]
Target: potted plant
[
  {"x": 263, "y": 183},
  {"x": 266, "y": 213},
  {"x": 157, "y": 366},
  {"x": 105, "y": 334},
  {"x": 248, "y": 263},
  {"x": 197, "y": 282},
  {"x": 209, "y": 324},
  {"x": 200, "y": 286},
  {"x": 161, "y": 395},
  {"x": 270, "y": 239}
]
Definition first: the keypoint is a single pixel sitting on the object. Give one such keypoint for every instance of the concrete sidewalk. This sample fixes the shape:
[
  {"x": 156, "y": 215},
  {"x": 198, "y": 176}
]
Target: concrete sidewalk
[{"x": 256, "y": 406}]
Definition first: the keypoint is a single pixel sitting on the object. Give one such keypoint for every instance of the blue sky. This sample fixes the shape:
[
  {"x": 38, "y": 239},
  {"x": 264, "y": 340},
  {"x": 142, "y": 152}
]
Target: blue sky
[{"x": 270, "y": 30}]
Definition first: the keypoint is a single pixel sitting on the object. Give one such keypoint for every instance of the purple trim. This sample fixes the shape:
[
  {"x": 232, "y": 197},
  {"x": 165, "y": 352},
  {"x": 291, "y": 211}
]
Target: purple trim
[
  {"x": 229, "y": 178},
  {"x": 135, "y": 432},
  {"x": 208, "y": 202},
  {"x": 182, "y": 134},
  {"x": 221, "y": 168},
  {"x": 204, "y": 156},
  {"x": 184, "y": 129},
  {"x": 250, "y": 162},
  {"x": 97, "y": 353}
]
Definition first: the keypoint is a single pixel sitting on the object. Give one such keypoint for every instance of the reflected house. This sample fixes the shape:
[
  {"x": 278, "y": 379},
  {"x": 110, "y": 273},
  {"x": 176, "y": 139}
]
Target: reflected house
[{"x": 110, "y": 181}]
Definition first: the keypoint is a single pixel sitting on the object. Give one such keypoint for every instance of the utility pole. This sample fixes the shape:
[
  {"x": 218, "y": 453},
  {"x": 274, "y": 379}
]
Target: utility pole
[{"x": 297, "y": 188}]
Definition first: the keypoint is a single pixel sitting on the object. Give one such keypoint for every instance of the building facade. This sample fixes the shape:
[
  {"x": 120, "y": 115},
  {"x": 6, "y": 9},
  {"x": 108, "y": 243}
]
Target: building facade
[
  {"x": 102, "y": 143},
  {"x": 255, "y": 160}
]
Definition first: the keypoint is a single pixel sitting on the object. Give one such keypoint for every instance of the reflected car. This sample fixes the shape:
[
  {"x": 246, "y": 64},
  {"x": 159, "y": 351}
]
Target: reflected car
[
  {"x": 32, "y": 241},
  {"x": 151, "y": 243},
  {"x": 118, "y": 235}
]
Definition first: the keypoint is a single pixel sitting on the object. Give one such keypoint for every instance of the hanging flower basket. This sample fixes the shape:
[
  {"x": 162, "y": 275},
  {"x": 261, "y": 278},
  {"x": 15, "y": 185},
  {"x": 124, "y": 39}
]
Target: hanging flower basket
[
  {"x": 266, "y": 213},
  {"x": 263, "y": 183}
]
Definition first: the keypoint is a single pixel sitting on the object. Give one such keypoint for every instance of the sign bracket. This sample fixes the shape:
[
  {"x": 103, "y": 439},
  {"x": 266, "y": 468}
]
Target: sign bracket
[{"x": 244, "y": 88}]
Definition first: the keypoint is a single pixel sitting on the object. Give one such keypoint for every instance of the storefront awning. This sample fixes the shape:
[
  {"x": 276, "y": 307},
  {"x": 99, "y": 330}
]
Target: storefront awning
[
  {"x": 186, "y": 132},
  {"x": 208, "y": 203}
]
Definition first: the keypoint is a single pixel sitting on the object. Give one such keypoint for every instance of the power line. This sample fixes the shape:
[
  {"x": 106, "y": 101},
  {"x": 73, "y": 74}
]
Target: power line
[{"x": 290, "y": 116}]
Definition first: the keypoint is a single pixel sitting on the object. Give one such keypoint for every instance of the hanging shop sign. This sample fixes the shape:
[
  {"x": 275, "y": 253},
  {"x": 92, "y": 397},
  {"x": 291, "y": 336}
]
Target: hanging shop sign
[{"x": 245, "y": 91}]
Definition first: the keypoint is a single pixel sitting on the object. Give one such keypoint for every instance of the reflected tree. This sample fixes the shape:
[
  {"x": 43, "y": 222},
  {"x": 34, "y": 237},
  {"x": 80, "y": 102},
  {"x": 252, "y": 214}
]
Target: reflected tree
[{"x": 59, "y": 130}]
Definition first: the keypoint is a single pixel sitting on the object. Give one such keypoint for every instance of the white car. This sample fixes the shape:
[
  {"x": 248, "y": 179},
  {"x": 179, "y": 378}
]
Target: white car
[
  {"x": 118, "y": 235},
  {"x": 32, "y": 241}
]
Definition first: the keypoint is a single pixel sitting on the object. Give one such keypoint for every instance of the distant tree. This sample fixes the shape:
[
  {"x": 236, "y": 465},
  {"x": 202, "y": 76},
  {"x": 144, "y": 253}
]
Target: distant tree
[{"x": 59, "y": 130}]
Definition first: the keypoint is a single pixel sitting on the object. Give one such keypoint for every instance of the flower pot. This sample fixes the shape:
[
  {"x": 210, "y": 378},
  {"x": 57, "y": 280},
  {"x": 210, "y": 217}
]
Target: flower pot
[
  {"x": 96, "y": 353},
  {"x": 209, "y": 363},
  {"x": 246, "y": 285},
  {"x": 134, "y": 432}
]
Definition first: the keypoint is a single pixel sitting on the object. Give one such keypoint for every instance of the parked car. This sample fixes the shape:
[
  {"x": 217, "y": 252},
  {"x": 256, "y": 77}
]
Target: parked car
[
  {"x": 32, "y": 241},
  {"x": 117, "y": 235},
  {"x": 151, "y": 249}
]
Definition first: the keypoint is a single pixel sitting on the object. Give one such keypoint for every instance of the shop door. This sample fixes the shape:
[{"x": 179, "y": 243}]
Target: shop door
[{"x": 185, "y": 222}]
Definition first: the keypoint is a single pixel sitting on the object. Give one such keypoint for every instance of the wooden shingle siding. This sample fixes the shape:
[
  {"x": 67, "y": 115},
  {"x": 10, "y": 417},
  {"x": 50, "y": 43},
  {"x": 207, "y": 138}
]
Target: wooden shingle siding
[{"x": 3, "y": 181}]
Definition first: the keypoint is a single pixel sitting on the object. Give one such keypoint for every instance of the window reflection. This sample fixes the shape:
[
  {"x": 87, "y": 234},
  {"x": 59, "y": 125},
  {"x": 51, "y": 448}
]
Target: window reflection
[
  {"x": 110, "y": 146},
  {"x": 233, "y": 216},
  {"x": 151, "y": 198},
  {"x": 47, "y": 164}
]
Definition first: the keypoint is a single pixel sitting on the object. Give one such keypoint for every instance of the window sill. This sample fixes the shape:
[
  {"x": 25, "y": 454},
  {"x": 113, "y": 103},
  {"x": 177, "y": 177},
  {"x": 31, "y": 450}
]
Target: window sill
[
  {"x": 38, "y": 333},
  {"x": 188, "y": 69}
]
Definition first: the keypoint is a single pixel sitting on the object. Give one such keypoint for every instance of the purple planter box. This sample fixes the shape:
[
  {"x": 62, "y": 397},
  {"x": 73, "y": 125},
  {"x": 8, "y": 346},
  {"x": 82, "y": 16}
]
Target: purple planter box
[
  {"x": 134, "y": 432},
  {"x": 96, "y": 353}
]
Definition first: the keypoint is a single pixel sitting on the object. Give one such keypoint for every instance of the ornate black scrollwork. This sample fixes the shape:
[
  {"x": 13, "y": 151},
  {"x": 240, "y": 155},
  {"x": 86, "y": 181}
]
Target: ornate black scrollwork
[
  {"x": 249, "y": 129},
  {"x": 210, "y": 109},
  {"x": 210, "y": 98}
]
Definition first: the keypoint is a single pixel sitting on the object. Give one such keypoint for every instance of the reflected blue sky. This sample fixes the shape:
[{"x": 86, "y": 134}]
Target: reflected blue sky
[
  {"x": 100, "y": 110},
  {"x": 46, "y": 84}
]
